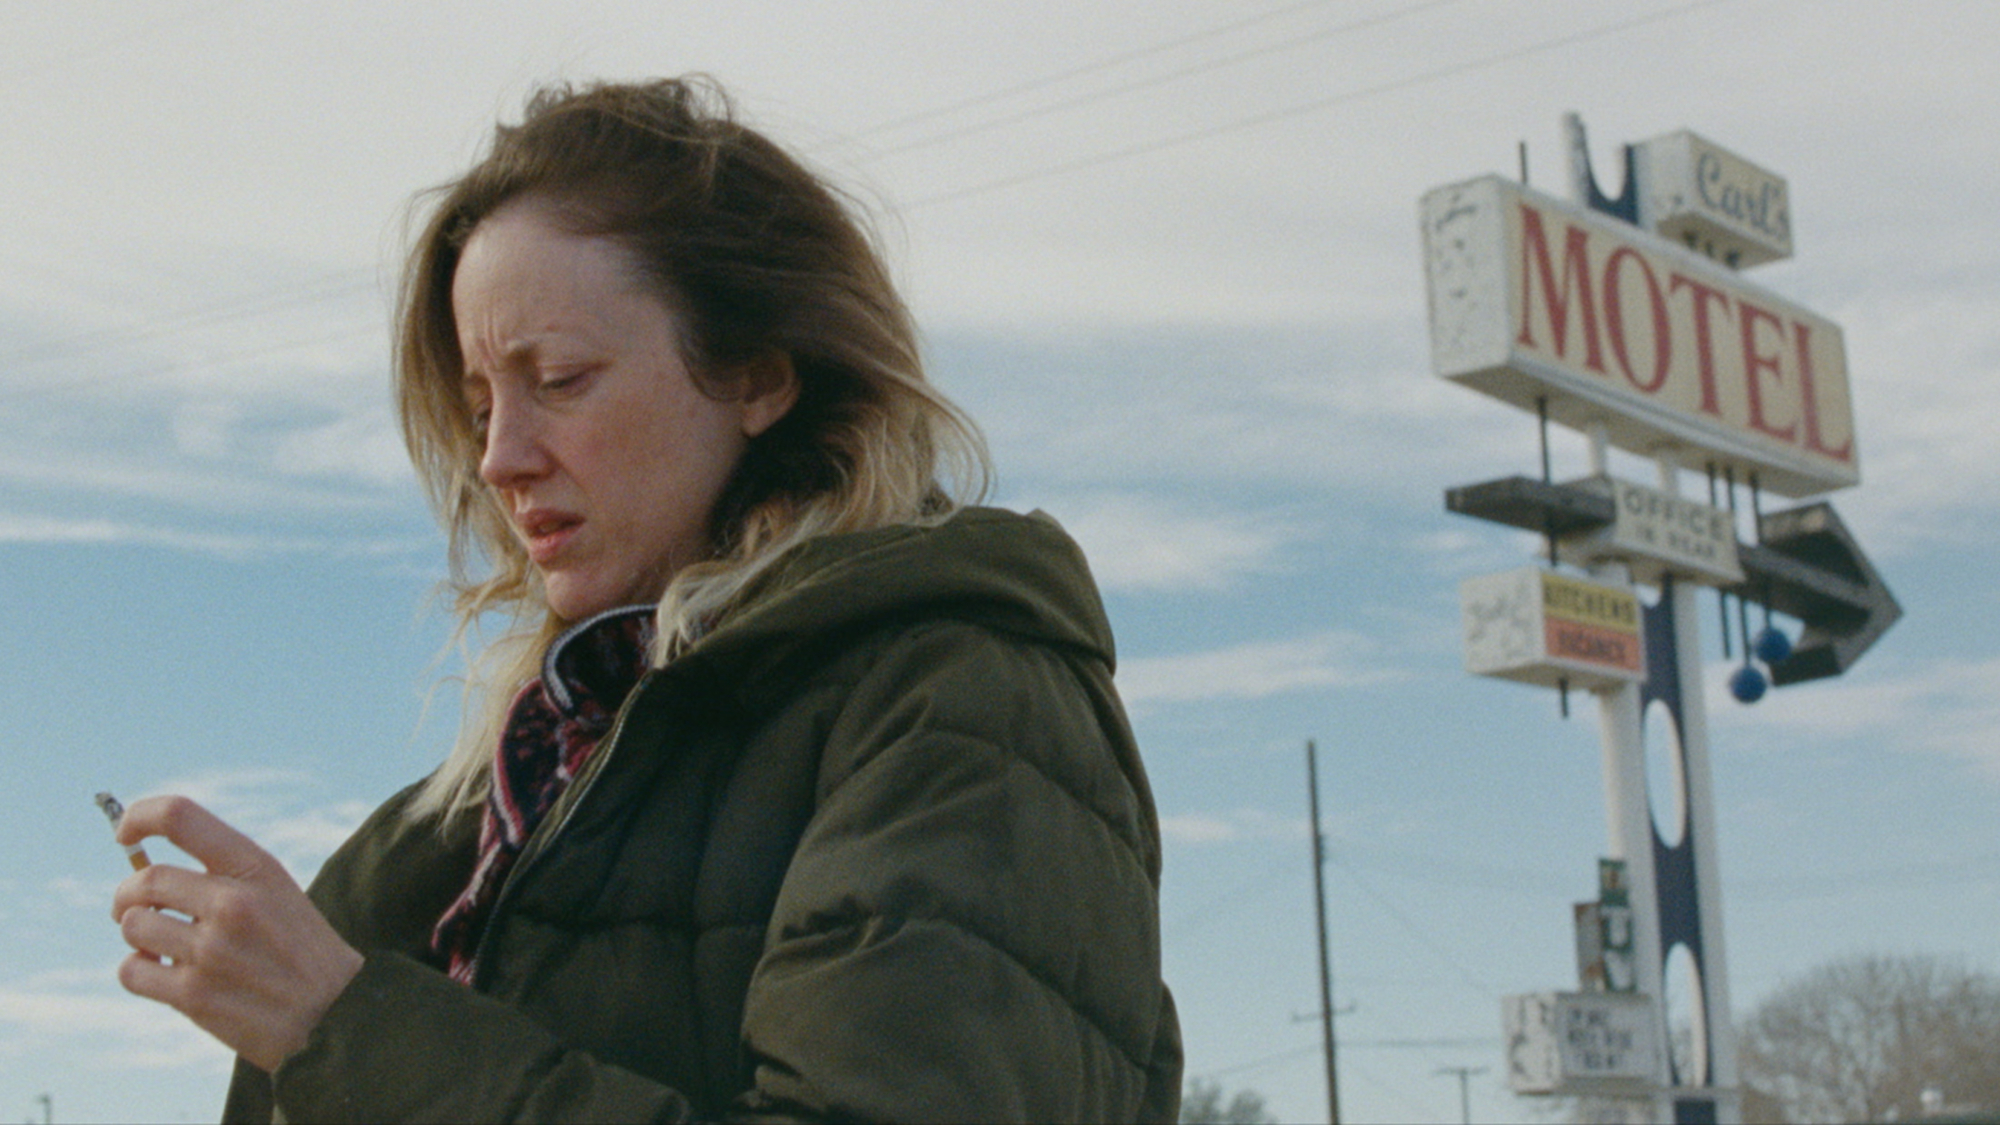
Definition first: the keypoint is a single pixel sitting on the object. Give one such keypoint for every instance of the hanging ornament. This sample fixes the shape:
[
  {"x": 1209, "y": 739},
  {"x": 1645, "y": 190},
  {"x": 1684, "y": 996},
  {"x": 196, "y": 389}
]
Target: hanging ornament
[
  {"x": 1747, "y": 684},
  {"x": 1771, "y": 645}
]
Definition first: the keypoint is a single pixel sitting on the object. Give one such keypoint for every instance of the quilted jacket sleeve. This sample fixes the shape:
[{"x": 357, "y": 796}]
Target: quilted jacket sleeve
[
  {"x": 969, "y": 930},
  {"x": 405, "y": 1043},
  {"x": 391, "y": 1045}
]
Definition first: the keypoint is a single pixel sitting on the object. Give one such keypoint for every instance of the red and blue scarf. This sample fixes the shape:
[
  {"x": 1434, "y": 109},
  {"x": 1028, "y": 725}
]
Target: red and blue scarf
[{"x": 553, "y": 725}]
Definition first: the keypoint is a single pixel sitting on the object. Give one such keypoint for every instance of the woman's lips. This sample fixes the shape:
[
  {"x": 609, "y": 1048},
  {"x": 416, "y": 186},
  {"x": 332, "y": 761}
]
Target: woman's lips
[{"x": 547, "y": 533}]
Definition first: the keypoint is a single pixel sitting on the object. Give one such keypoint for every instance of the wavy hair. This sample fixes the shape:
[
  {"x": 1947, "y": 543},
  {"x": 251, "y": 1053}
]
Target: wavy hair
[{"x": 755, "y": 255}]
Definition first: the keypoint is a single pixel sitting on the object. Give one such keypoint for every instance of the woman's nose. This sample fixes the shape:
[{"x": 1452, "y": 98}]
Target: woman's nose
[{"x": 515, "y": 452}]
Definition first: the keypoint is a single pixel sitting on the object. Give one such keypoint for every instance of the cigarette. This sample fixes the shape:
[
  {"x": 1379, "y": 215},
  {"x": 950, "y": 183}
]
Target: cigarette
[{"x": 115, "y": 812}]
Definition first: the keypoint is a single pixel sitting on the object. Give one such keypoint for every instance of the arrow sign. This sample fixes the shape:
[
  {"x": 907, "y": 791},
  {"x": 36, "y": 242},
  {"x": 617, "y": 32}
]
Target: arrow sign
[
  {"x": 1810, "y": 567},
  {"x": 1807, "y": 566}
]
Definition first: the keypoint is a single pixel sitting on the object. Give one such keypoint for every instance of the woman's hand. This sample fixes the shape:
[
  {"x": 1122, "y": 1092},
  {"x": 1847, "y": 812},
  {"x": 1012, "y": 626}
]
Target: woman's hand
[{"x": 253, "y": 962}]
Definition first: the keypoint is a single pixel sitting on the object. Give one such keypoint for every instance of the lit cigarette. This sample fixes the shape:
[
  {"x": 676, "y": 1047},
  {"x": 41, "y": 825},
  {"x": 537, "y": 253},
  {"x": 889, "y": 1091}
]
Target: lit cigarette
[{"x": 115, "y": 812}]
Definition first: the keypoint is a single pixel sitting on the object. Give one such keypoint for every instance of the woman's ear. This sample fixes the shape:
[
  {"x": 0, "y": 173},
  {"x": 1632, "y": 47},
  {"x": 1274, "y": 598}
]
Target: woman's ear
[{"x": 770, "y": 388}]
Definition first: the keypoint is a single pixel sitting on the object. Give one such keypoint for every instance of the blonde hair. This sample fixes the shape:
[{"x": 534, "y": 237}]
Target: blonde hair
[{"x": 757, "y": 257}]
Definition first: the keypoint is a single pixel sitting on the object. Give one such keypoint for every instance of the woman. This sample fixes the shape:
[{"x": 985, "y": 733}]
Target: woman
[{"x": 797, "y": 790}]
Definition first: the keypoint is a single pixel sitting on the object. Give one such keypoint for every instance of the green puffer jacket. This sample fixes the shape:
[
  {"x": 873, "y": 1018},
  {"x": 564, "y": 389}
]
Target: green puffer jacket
[{"x": 878, "y": 848}]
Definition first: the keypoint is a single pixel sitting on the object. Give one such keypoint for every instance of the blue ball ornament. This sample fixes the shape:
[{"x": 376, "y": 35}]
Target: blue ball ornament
[
  {"x": 1771, "y": 645},
  {"x": 1747, "y": 684}
]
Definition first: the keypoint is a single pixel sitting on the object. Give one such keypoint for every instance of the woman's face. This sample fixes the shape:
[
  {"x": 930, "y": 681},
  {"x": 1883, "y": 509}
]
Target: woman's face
[{"x": 600, "y": 449}]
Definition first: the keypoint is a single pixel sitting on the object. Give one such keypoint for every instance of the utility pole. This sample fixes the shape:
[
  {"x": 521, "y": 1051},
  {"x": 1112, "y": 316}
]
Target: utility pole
[
  {"x": 1325, "y": 963},
  {"x": 48, "y": 1109},
  {"x": 1464, "y": 1073}
]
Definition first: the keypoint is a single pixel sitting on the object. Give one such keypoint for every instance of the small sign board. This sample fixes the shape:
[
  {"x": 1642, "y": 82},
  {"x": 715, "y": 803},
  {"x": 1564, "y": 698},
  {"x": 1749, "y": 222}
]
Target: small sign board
[
  {"x": 1590, "y": 967},
  {"x": 1658, "y": 533},
  {"x": 1543, "y": 304},
  {"x": 1582, "y": 1043},
  {"x": 1616, "y": 927},
  {"x": 1538, "y": 626},
  {"x": 1605, "y": 960},
  {"x": 1697, "y": 193}
]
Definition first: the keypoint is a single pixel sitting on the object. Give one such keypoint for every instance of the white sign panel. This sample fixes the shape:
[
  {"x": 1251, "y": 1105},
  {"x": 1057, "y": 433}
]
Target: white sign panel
[
  {"x": 1658, "y": 533},
  {"x": 1539, "y": 627},
  {"x": 1697, "y": 193},
  {"x": 1582, "y": 1043},
  {"x": 1535, "y": 301}
]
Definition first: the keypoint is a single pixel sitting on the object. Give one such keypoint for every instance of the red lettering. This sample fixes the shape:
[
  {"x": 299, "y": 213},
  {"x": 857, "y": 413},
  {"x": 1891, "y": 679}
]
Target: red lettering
[
  {"x": 1755, "y": 363},
  {"x": 1704, "y": 346},
  {"x": 1614, "y": 319},
  {"x": 1576, "y": 268},
  {"x": 1809, "y": 399},
  {"x": 1593, "y": 646}
]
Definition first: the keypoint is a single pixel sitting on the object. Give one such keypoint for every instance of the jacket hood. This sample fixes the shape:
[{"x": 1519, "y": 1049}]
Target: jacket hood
[{"x": 1015, "y": 574}]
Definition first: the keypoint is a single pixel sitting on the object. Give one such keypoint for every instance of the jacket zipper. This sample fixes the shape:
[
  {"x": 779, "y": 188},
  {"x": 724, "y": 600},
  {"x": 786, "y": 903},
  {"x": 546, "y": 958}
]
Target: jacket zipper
[{"x": 545, "y": 835}]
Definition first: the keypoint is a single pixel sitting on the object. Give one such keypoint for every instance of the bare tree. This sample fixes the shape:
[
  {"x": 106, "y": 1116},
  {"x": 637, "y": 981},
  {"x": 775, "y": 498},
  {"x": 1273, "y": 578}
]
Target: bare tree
[{"x": 1864, "y": 1039}]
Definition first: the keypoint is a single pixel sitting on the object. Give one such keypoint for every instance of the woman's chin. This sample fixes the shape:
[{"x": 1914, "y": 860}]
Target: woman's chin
[
  {"x": 577, "y": 597},
  {"x": 571, "y": 600}
]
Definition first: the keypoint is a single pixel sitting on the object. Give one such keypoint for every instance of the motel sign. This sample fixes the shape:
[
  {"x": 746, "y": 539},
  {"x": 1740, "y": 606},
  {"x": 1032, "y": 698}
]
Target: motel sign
[
  {"x": 1626, "y": 320},
  {"x": 1536, "y": 300}
]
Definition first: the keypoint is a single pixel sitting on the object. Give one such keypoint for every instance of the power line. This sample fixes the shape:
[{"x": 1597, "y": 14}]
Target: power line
[
  {"x": 1396, "y": 1092},
  {"x": 328, "y": 287},
  {"x": 1135, "y": 85},
  {"x": 1795, "y": 887},
  {"x": 1216, "y": 908},
  {"x": 1110, "y": 62},
  {"x": 342, "y": 284},
  {"x": 1452, "y": 871},
  {"x": 1262, "y": 1061},
  {"x": 1458, "y": 1043},
  {"x": 145, "y": 31},
  {"x": 1269, "y": 117},
  {"x": 1410, "y": 927},
  {"x": 40, "y": 390}
]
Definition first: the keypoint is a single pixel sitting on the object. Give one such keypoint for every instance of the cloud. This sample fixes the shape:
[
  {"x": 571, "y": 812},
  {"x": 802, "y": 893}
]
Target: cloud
[
  {"x": 1948, "y": 707},
  {"x": 176, "y": 480},
  {"x": 276, "y": 809},
  {"x": 1229, "y": 827},
  {"x": 1145, "y": 543},
  {"x": 29, "y": 528},
  {"x": 1194, "y": 406},
  {"x": 16, "y": 528},
  {"x": 363, "y": 447},
  {"x": 218, "y": 405},
  {"x": 1253, "y": 670},
  {"x": 81, "y": 894},
  {"x": 206, "y": 427},
  {"x": 80, "y": 1015},
  {"x": 1469, "y": 547},
  {"x": 92, "y": 1021},
  {"x": 1927, "y": 385}
]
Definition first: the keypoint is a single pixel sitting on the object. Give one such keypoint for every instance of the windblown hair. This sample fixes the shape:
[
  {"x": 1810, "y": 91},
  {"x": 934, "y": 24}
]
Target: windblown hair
[{"x": 756, "y": 257}]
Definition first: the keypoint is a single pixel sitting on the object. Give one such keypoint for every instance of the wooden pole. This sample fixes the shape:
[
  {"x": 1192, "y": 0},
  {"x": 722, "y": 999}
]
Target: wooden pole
[{"x": 1325, "y": 963}]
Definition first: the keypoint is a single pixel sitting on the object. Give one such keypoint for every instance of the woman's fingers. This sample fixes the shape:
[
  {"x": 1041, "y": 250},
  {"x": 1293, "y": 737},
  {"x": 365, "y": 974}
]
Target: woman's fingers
[
  {"x": 199, "y": 833},
  {"x": 157, "y": 935},
  {"x": 162, "y": 887},
  {"x": 238, "y": 948},
  {"x": 148, "y": 977}
]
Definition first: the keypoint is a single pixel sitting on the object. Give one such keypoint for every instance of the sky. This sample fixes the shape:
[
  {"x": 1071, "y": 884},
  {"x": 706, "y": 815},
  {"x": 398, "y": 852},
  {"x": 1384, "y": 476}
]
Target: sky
[{"x": 1167, "y": 254}]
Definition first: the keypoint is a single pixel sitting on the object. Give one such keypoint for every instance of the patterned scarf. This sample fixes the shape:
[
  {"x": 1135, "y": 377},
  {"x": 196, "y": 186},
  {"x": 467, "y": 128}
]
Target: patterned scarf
[{"x": 553, "y": 725}]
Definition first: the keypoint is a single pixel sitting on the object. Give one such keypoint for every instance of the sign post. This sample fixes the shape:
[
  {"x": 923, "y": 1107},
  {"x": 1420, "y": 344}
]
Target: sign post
[{"x": 1627, "y": 320}]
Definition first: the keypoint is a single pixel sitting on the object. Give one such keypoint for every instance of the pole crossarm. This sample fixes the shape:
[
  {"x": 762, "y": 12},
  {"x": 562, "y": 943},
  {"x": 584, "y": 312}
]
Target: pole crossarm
[{"x": 1533, "y": 505}]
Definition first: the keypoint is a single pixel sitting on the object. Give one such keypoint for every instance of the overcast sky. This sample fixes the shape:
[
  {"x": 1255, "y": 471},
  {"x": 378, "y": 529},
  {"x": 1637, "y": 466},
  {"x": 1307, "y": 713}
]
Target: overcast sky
[{"x": 1167, "y": 253}]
